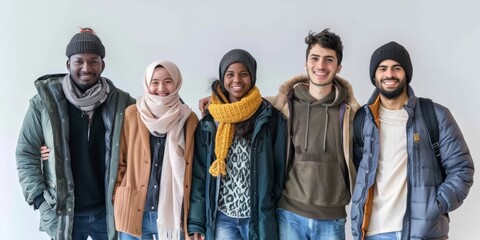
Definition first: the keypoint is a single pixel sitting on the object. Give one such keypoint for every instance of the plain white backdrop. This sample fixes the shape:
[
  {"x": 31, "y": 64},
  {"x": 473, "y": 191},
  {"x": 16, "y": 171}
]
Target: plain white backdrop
[{"x": 443, "y": 38}]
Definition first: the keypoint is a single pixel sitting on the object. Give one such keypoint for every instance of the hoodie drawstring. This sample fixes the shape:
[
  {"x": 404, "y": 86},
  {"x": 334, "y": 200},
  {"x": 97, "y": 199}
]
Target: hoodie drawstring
[
  {"x": 325, "y": 130},
  {"x": 308, "y": 126}
]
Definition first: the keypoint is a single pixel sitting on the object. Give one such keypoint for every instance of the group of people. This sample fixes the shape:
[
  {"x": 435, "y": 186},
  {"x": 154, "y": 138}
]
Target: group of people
[{"x": 97, "y": 163}]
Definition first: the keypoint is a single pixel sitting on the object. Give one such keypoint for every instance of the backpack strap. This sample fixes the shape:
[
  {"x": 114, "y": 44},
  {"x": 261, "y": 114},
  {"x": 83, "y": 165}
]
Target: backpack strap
[
  {"x": 430, "y": 120},
  {"x": 358, "y": 121}
]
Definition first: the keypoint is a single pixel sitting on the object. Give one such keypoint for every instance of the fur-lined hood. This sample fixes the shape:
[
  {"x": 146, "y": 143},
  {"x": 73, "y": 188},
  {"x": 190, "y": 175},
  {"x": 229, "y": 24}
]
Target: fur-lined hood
[{"x": 286, "y": 92}]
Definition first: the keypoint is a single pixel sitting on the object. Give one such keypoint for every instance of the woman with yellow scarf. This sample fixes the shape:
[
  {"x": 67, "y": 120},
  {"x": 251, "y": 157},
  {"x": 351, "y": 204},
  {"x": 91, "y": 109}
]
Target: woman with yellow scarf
[{"x": 239, "y": 158}]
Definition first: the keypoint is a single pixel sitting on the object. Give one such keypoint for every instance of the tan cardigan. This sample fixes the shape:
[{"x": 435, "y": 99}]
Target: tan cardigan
[{"x": 131, "y": 187}]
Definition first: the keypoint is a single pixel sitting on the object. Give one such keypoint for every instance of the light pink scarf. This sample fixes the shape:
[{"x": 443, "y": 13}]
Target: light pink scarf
[{"x": 166, "y": 114}]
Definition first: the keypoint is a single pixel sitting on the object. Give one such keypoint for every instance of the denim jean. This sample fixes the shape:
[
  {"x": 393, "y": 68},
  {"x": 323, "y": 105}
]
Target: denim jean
[
  {"x": 93, "y": 225},
  {"x": 149, "y": 228},
  {"x": 292, "y": 227},
  {"x": 386, "y": 236},
  {"x": 228, "y": 228}
]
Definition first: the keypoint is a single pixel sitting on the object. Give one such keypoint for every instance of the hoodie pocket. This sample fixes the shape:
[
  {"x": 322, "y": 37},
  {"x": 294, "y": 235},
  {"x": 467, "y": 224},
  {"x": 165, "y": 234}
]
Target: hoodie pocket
[{"x": 317, "y": 183}]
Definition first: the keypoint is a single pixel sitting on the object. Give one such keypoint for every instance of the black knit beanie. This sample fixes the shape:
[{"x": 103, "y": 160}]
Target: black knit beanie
[
  {"x": 85, "y": 42},
  {"x": 394, "y": 51},
  {"x": 240, "y": 56}
]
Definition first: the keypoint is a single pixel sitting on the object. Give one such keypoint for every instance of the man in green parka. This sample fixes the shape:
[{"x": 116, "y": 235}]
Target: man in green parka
[{"x": 78, "y": 116}]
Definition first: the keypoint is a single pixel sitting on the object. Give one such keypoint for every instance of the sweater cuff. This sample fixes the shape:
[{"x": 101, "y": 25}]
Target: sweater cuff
[{"x": 195, "y": 228}]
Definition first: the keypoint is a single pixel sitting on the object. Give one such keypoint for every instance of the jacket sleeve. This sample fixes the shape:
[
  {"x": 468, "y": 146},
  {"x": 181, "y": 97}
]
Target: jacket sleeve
[
  {"x": 456, "y": 160},
  {"x": 130, "y": 100},
  {"x": 189, "y": 128},
  {"x": 122, "y": 161},
  {"x": 29, "y": 164},
  {"x": 280, "y": 154},
  {"x": 122, "y": 153},
  {"x": 197, "y": 216}
]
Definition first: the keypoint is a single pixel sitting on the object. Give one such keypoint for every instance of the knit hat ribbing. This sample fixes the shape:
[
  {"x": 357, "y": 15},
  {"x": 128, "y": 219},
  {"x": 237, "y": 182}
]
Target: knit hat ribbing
[
  {"x": 241, "y": 56},
  {"x": 86, "y": 41},
  {"x": 394, "y": 51}
]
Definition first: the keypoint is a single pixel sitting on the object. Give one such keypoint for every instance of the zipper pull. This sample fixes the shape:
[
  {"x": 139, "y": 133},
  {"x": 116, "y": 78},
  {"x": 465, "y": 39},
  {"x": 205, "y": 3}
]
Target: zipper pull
[{"x": 416, "y": 137}]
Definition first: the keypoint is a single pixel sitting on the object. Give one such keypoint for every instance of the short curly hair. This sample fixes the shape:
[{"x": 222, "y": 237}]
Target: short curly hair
[{"x": 325, "y": 39}]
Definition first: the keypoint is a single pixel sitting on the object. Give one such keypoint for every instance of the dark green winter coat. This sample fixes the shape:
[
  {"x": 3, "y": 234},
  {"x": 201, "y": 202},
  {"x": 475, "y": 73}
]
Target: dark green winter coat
[
  {"x": 47, "y": 123},
  {"x": 267, "y": 175}
]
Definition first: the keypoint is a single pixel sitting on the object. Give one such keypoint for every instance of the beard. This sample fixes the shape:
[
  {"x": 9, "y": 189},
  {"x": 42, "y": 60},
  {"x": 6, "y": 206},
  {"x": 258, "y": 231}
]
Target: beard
[
  {"x": 391, "y": 94},
  {"x": 82, "y": 85}
]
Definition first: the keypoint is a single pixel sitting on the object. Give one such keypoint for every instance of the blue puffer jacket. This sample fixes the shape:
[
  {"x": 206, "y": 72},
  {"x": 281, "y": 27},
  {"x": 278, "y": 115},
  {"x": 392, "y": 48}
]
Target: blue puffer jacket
[
  {"x": 429, "y": 196},
  {"x": 267, "y": 175}
]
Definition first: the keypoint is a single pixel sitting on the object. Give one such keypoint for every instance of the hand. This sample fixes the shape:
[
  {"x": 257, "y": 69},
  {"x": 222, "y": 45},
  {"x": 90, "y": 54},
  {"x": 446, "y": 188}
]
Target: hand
[
  {"x": 198, "y": 236},
  {"x": 44, "y": 152},
  {"x": 203, "y": 105}
]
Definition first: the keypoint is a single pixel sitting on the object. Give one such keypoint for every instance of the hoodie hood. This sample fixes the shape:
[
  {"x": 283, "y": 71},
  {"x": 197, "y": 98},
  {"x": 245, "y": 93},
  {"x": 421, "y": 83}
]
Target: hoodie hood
[{"x": 335, "y": 98}]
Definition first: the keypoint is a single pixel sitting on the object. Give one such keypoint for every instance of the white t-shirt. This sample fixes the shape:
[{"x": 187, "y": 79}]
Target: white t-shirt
[{"x": 390, "y": 193}]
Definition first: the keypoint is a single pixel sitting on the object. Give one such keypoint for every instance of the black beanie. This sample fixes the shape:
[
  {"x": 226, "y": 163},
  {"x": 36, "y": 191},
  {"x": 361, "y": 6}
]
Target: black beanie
[
  {"x": 393, "y": 51},
  {"x": 85, "y": 42},
  {"x": 240, "y": 56}
]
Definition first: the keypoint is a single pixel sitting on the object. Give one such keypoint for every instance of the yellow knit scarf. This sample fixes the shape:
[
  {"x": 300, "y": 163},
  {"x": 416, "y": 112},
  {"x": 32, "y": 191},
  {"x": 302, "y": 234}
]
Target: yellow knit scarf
[{"x": 227, "y": 114}]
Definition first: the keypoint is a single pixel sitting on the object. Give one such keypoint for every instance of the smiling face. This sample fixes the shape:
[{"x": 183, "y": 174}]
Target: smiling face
[
  {"x": 322, "y": 65},
  {"x": 162, "y": 83},
  {"x": 390, "y": 79},
  {"x": 85, "y": 69},
  {"x": 237, "y": 81}
]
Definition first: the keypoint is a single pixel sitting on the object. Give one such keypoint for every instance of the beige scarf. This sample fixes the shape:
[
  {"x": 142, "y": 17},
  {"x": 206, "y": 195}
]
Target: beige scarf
[
  {"x": 90, "y": 99},
  {"x": 167, "y": 115},
  {"x": 87, "y": 101},
  {"x": 227, "y": 114}
]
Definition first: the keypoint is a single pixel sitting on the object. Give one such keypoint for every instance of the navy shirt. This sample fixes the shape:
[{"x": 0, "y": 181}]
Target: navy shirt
[{"x": 157, "y": 148}]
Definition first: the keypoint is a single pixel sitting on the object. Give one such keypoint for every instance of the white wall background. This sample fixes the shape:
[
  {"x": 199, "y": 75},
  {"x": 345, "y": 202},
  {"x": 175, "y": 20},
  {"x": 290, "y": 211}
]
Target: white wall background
[{"x": 443, "y": 38}]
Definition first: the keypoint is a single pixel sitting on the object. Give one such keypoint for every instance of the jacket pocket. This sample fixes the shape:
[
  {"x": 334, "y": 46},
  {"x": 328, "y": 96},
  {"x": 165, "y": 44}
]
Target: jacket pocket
[
  {"x": 48, "y": 219},
  {"x": 434, "y": 210},
  {"x": 429, "y": 221}
]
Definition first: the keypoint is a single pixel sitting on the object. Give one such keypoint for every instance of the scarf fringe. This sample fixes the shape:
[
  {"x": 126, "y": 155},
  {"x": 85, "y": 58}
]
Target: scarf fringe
[{"x": 169, "y": 234}]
